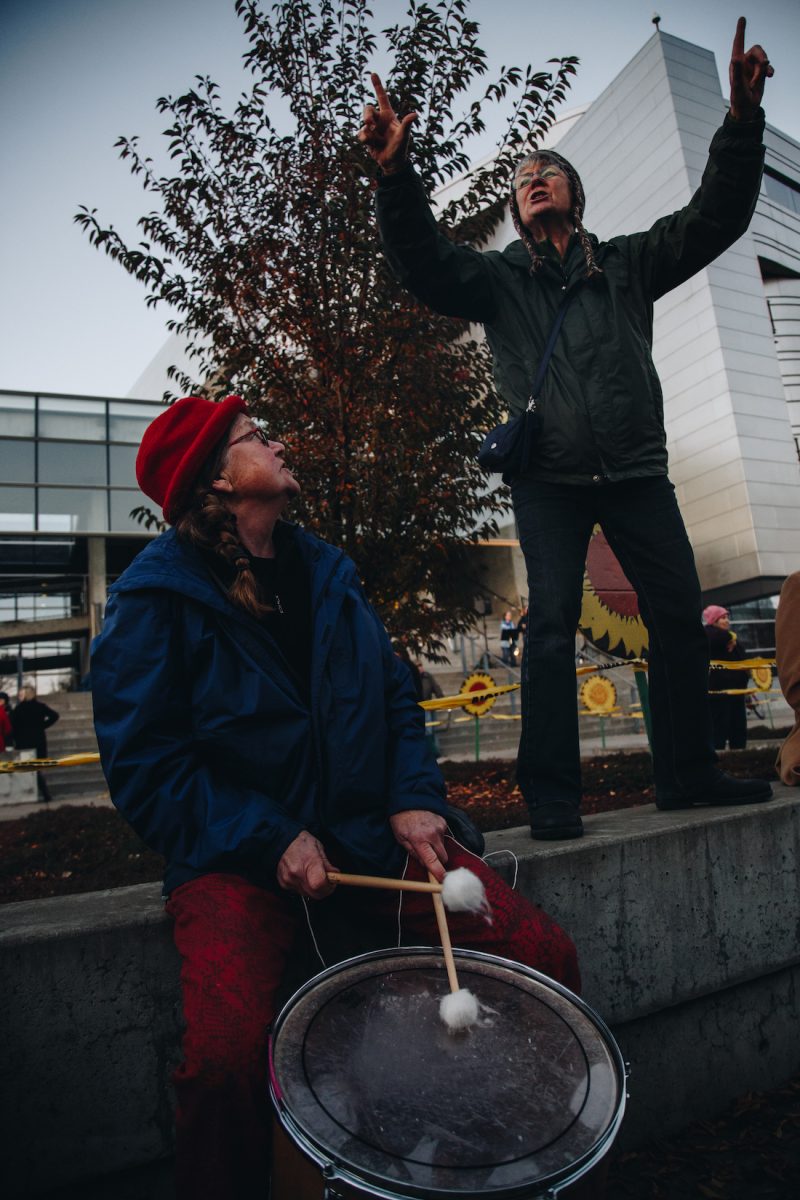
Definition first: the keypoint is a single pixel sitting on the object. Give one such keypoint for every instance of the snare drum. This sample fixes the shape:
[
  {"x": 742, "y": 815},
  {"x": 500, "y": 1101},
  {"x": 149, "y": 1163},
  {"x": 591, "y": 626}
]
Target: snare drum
[{"x": 385, "y": 1101}]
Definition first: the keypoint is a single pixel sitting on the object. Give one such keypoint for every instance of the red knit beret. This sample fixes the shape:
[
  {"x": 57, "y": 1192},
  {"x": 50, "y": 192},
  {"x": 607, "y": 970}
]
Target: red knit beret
[{"x": 176, "y": 445}]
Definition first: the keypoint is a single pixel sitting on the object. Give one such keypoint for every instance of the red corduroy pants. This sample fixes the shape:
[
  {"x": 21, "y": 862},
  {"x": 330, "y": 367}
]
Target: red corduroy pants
[{"x": 234, "y": 940}]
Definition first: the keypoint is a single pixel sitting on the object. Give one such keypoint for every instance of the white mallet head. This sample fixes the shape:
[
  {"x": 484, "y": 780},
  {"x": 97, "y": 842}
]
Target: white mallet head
[
  {"x": 458, "y": 1010},
  {"x": 462, "y": 891}
]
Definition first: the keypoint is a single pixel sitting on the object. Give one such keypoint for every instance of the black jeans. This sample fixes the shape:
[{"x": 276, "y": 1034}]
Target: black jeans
[
  {"x": 643, "y": 526},
  {"x": 729, "y": 722}
]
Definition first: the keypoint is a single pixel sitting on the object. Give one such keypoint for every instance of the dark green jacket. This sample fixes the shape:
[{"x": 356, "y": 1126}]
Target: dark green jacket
[{"x": 601, "y": 404}]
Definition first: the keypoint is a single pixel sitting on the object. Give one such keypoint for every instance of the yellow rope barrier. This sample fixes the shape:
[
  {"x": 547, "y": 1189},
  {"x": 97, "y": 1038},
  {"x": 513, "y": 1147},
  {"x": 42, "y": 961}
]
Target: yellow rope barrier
[
  {"x": 441, "y": 704},
  {"x": 36, "y": 764}
]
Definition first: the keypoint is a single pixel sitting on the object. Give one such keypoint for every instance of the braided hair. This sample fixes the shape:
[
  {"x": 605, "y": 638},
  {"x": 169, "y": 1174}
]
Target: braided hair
[
  {"x": 208, "y": 523},
  {"x": 578, "y": 205}
]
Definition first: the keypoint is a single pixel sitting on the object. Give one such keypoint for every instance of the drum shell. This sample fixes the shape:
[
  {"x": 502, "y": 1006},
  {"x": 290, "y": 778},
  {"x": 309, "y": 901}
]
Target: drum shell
[{"x": 303, "y": 1148}]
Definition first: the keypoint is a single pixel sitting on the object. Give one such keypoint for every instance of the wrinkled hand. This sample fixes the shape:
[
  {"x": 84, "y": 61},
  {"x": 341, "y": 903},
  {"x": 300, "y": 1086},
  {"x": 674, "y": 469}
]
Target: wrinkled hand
[
  {"x": 421, "y": 833},
  {"x": 749, "y": 71},
  {"x": 385, "y": 136},
  {"x": 304, "y": 868}
]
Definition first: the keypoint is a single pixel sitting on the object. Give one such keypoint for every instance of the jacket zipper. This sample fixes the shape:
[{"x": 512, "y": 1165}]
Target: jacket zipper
[{"x": 602, "y": 467}]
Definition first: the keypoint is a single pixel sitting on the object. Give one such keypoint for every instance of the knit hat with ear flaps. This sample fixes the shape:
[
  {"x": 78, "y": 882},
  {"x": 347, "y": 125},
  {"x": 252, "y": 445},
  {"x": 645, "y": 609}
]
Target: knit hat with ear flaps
[
  {"x": 176, "y": 445},
  {"x": 578, "y": 197}
]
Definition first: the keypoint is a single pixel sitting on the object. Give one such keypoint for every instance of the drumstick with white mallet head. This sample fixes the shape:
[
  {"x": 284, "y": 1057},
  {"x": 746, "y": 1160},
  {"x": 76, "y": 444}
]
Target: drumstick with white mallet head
[
  {"x": 459, "y": 1010},
  {"x": 462, "y": 891}
]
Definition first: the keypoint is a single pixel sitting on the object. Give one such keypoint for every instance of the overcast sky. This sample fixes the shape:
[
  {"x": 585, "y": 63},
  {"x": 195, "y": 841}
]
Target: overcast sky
[{"x": 76, "y": 74}]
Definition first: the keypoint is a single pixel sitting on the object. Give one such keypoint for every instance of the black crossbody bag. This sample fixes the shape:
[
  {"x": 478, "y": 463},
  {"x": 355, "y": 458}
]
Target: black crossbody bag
[{"x": 507, "y": 448}]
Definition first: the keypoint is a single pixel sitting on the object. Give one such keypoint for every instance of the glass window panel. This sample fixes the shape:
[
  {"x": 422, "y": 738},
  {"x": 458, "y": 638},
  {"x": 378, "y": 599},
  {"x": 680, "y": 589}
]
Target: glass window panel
[
  {"x": 17, "y": 461},
  {"x": 127, "y": 422},
  {"x": 121, "y": 504},
  {"x": 782, "y": 192},
  {"x": 72, "y": 418},
  {"x": 17, "y": 416},
  {"x": 67, "y": 510},
  {"x": 72, "y": 462},
  {"x": 52, "y": 606},
  {"x": 16, "y": 608},
  {"x": 17, "y": 506},
  {"x": 122, "y": 465}
]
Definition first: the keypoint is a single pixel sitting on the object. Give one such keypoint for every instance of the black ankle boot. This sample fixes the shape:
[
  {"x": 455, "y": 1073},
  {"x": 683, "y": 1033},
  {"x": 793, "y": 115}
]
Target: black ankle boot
[
  {"x": 721, "y": 789},
  {"x": 555, "y": 821}
]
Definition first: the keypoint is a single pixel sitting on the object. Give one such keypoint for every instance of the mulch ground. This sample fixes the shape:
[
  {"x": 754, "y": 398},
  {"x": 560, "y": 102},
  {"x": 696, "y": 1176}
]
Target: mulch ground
[
  {"x": 78, "y": 848},
  {"x": 751, "y": 1153}
]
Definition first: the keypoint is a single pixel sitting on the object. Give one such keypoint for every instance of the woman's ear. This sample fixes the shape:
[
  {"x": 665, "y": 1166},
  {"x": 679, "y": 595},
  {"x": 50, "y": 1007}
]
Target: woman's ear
[{"x": 221, "y": 484}]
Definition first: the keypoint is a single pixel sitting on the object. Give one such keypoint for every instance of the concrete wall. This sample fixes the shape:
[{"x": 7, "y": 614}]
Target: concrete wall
[{"x": 687, "y": 927}]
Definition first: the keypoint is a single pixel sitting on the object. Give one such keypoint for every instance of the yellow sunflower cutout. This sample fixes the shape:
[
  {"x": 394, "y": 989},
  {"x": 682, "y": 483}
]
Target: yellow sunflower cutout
[
  {"x": 762, "y": 678},
  {"x": 478, "y": 683},
  {"x": 598, "y": 694},
  {"x": 610, "y": 611}
]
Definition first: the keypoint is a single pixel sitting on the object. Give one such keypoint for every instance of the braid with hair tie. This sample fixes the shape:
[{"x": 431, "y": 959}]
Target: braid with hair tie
[{"x": 209, "y": 524}]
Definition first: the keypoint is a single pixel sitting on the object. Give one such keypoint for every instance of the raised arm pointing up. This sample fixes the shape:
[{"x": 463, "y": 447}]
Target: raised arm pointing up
[{"x": 384, "y": 134}]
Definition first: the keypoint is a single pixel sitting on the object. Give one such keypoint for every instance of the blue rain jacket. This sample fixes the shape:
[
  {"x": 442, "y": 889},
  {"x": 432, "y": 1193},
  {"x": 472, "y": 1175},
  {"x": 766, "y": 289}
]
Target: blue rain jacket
[{"x": 210, "y": 750}]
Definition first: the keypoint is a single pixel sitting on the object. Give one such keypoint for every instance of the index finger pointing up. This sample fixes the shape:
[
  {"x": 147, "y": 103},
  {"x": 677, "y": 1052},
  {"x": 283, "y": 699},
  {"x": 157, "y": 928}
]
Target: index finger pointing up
[
  {"x": 380, "y": 92},
  {"x": 738, "y": 37}
]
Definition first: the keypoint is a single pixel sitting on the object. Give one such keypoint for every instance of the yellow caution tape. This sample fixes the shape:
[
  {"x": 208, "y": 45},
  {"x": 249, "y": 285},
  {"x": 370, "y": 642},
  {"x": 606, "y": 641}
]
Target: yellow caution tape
[
  {"x": 37, "y": 764},
  {"x": 461, "y": 699}
]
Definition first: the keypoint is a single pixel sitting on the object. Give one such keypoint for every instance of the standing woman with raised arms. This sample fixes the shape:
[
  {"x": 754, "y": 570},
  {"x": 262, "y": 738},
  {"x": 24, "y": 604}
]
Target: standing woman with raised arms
[{"x": 600, "y": 455}]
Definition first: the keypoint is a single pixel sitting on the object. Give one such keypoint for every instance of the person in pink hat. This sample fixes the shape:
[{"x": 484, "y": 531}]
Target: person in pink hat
[
  {"x": 728, "y": 712},
  {"x": 257, "y": 730}
]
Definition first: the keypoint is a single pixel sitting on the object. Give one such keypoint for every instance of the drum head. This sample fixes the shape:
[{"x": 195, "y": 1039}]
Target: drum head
[{"x": 366, "y": 1076}]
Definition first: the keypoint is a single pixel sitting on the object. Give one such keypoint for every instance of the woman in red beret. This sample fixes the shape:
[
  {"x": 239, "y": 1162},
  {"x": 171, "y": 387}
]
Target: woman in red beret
[{"x": 256, "y": 729}]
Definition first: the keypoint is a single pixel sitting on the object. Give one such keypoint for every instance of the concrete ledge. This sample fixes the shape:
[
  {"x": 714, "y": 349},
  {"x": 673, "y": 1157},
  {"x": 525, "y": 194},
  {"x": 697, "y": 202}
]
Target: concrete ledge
[
  {"x": 668, "y": 907},
  {"x": 687, "y": 927}
]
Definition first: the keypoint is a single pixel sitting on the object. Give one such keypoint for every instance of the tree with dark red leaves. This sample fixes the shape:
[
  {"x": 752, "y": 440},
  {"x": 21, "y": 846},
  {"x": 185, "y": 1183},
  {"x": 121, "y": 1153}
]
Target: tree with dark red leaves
[{"x": 263, "y": 243}]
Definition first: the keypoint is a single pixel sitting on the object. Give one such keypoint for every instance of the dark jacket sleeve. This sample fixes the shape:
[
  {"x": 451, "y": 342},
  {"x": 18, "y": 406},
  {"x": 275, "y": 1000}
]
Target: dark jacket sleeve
[
  {"x": 450, "y": 279},
  {"x": 49, "y": 716},
  {"x": 415, "y": 780},
  {"x": 143, "y": 718},
  {"x": 719, "y": 212}
]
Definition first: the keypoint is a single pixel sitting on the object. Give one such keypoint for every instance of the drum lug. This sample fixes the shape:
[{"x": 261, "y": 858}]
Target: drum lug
[{"x": 330, "y": 1190}]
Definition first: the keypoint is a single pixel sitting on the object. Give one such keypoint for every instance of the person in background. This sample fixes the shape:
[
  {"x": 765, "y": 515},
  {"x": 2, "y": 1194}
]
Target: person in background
[
  {"x": 6, "y": 732},
  {"x": 30, "y": 720},
  {"x": 522, "y": 624},
  {"x": 508, "y": 638},
  {"x": 728, "y": 713},
  {"x": 430, "y": 688},
  {"x": 787, "y": 659}
]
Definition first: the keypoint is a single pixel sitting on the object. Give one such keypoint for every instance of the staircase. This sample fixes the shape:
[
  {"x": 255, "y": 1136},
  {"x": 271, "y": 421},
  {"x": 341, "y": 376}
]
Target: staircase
[{"x": 73, "y": 734}]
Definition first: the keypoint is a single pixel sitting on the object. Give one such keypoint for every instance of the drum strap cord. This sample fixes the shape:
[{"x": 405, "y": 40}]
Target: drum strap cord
[
  {"x": 495, "y": 853},
  {"x": 311, "y": 927},
  {"x": 311, "y": 931}
]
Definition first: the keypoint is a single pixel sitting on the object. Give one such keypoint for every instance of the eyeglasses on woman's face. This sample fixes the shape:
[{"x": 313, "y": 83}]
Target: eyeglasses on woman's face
[
  {"x": 529, "y": 175},
  {"x": 252, "y": 435}
]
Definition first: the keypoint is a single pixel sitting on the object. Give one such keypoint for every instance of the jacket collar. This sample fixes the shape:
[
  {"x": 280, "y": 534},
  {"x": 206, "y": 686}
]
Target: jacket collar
[
  {"x": 172, "y": 564},
  {"x": 517, "y": 256}
]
